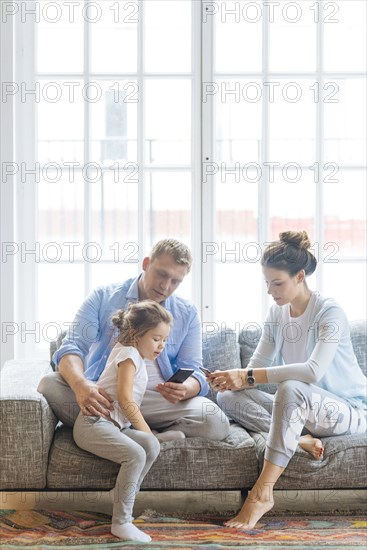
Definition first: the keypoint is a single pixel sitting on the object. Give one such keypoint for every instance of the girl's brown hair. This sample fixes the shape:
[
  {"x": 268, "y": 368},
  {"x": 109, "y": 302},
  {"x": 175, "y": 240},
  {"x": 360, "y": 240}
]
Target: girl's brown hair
[
  {"x": 291, "y": 253},
  {"x": 138, "y": 319}
]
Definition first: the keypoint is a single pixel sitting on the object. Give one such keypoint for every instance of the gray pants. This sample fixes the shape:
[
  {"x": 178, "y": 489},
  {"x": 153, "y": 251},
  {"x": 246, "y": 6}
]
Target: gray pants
[
  {"x": 295, "y": 406},
  {"x": 134, "y": 450},
  {"x": 196, "y": 417}
]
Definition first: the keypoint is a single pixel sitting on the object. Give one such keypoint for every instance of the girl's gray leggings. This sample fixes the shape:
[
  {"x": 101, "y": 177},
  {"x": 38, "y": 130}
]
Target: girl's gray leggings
[
  {"x": 295, "y": 406},
  {"x": 133, "y": 449}
]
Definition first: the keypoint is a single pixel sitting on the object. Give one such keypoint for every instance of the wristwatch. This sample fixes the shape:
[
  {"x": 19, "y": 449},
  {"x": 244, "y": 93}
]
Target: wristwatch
[{"x": 250, "y": 377}]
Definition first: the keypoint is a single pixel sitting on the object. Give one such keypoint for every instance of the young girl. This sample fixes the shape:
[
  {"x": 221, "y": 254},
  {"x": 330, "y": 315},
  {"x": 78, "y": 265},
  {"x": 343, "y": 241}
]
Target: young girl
[
  {"x": 125, "y": 437},
  {"x": 321, "y": 387}
]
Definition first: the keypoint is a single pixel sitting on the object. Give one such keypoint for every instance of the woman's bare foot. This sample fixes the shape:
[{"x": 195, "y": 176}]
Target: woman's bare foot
[
  {"x": 255, "y": 506},
  {"x": 312, "y": 445}
]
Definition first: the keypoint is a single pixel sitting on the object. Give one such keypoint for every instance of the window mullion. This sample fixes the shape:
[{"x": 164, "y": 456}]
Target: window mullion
[
  {"x": 208, "y": 194},
  {"x": 26, "y": 297},
  {"x": 196, "y": 156},
  {"x": 263, "y": 191},
  {"x": 141, "y": 137},
  {"x": 319, "y": 212},
  {"x": 7, "y": 186},
  {"x": 87, "y": 143}
]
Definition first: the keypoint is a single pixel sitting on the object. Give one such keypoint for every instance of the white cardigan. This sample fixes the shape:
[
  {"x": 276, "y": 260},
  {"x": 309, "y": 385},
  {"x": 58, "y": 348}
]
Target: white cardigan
[{"x": 331, "y": 362}]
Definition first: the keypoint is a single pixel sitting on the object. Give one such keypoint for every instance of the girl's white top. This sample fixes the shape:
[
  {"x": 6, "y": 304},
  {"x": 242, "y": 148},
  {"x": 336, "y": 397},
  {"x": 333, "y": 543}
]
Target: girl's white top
[
  {"x": 329, "y": 363},
  {"x": 154, "y": 374},
  {"x": 108, "y": 379}
]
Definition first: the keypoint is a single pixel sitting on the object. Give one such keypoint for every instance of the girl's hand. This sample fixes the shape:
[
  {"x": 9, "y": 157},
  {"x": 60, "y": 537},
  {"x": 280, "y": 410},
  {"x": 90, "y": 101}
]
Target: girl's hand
[{"x": 234, "y": 379}]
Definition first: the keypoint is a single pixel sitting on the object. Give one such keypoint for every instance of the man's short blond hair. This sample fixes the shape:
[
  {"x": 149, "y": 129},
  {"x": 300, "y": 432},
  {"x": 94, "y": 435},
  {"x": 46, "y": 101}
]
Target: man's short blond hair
[{"x": 179, "y": 251}]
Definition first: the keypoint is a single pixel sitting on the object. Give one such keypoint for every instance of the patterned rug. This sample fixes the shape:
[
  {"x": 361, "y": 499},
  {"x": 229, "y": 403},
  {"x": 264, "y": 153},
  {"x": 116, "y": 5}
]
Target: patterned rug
[{"x": 43, "y": 529}]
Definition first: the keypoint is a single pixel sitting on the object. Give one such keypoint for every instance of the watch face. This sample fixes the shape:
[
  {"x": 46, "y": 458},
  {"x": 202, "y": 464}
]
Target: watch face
[{"x": 250, "y": 380}]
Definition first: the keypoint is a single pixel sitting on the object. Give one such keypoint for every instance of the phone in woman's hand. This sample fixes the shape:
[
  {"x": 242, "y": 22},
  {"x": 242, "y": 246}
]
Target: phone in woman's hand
[{"x": 205, "y": 371}]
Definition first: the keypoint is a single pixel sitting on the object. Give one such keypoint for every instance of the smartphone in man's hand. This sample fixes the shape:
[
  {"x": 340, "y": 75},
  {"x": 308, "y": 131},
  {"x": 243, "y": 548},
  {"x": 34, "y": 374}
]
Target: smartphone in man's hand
[{"x": 180, "y": 376}]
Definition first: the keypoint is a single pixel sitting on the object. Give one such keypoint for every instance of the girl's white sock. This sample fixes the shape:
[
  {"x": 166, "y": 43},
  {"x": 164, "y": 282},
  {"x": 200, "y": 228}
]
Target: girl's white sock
[{"x": 128, "y": 531}]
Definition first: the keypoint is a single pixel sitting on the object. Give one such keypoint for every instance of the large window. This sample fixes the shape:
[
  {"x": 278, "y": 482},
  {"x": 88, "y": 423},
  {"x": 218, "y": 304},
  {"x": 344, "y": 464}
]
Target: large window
[
  {"x": 286, "y": 97},
  {"x": 218, "y": 123}
]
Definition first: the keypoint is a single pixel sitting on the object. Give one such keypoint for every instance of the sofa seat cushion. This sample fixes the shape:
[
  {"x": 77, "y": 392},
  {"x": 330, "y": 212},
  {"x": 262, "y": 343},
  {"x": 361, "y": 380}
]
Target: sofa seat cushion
[
  {"x": 191, "y": 464},
  {"x": 344, "y": 464}
]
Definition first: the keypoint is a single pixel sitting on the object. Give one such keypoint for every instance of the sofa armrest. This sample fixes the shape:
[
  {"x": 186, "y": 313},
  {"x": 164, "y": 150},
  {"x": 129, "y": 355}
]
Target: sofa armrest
[{"x": 27, "y": 425}]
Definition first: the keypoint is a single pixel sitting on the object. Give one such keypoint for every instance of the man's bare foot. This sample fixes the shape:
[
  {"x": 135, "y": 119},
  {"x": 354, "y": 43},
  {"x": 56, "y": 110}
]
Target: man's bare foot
[
  {"x": 312, "y": 445},
  {"x": 252, "y": 510}
]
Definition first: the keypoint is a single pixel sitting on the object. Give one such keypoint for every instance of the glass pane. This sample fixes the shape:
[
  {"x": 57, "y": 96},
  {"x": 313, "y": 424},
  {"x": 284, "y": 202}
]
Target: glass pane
[
  {"x": 55, "y": 54},
  {"x": 185, "y": 288},
  {"x": 346, "y": 283},
  {"x": 238, "y": 35},
  {"x": 60, "y": 216},
  {"x": 292, "y": 28},
  {"x": 60, "y": 123},
  {"x": 292, "y": 202},
  {"x": 168, "y": 121},
  {"x": 345, "y": 214},
  {"x": 292, "y": 116},
  {"x": 168, "y": 206},
  {"x": 345, "y": 121},
  {"x": 60, "y": 289},
  {"x": 108, "y": 273},
  {"x": 114, "y": 218},
  {"x": 236, "y": 211},
  {"x": 240, "y": 303},
  {"x": 237, "y": 119},
  {"x": 345, "y": 35},
  {"x": 114, "y": 36},
  {"x": 167, "y": 36},
  {"x": 114, "y": 123}
]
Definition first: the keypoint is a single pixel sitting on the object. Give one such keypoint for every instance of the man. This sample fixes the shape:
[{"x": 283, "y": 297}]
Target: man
[{"x": 84, "y": 351}]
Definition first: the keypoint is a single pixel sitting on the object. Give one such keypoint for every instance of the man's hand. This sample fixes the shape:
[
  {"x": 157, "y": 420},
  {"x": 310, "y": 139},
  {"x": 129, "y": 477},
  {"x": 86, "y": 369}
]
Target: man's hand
[
  {"x": 92, "y": 399},
  {"x": 179, "y": 392}
]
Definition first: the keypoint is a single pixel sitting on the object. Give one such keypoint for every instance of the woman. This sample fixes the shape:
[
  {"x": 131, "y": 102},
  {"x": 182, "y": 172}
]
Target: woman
[{"x": 321, "y": 389}]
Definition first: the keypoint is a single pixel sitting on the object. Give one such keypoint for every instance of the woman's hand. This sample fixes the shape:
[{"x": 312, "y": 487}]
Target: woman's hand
[{"x": 234, "y": 379}]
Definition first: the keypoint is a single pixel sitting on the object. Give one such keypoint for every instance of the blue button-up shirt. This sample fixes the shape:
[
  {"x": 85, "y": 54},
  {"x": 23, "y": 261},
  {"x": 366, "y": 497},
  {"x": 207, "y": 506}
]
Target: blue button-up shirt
[{"x": 92, "y": 335}]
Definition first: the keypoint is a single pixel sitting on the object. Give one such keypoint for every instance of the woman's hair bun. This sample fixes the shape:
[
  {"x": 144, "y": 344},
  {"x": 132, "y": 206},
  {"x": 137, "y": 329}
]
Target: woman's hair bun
[{"x": 295, "y": 238}]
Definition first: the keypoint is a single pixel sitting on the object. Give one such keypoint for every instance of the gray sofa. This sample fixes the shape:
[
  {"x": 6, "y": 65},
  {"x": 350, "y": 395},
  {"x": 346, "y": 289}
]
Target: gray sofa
[{"x": 37, "y": 453}]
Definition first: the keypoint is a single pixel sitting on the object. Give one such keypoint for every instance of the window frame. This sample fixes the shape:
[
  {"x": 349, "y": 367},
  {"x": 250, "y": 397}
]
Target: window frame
[{"x": 17, "y": 144}]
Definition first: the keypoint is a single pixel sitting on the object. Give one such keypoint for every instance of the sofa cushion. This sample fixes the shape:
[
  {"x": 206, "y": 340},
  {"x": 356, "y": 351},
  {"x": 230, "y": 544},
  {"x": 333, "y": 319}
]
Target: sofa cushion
[
  {"x": 54, "y": 345},
  {"x": 190, "y": 464},
  {"x": 358, "y": 334},
  {"x": 220, "y": 352},
  {"x": 344, "y": 464}
]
